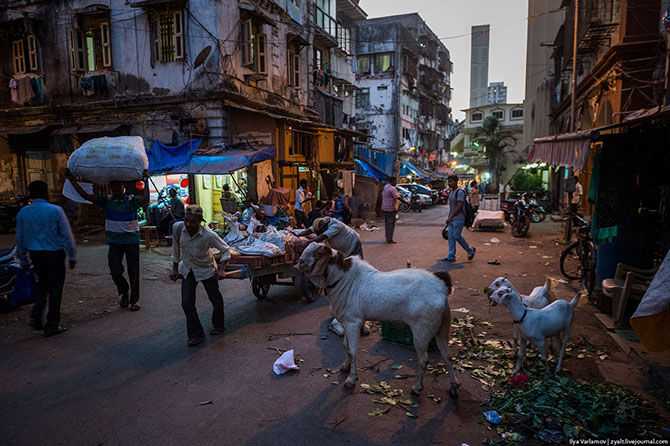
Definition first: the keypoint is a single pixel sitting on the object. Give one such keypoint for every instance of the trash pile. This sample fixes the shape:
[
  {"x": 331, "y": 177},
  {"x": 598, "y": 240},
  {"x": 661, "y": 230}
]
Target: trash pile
[
  {"x": 389, "y": 398},
  {"x": 558, "y": 408}
]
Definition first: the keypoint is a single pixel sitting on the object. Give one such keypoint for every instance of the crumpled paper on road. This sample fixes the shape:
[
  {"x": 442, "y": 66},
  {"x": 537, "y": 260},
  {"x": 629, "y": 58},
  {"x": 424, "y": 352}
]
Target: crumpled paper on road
[{"x": 285, "y": 363}]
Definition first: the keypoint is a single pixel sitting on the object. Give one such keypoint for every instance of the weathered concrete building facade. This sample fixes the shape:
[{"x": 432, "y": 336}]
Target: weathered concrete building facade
[
  {"x": 403, "y": 75},
  {"x": 174, "y": 70}
]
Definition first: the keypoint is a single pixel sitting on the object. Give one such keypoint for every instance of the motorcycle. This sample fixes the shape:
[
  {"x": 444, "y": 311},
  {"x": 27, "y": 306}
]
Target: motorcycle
[
  {"x": 444, "y": 197},
  {"x": 414, "y": 205},
  {"x": 522, "y": 219},
  {"x": 8, "y": 211},
  {"x": 537, "y": 211},
  {"x": 8, "y": 268}
]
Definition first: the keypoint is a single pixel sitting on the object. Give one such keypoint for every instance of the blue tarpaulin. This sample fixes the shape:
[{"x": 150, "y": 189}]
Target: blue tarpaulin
[
  {"x": 162, "y": 157},
  {"x": 217, "y": 161},
  {"x": 371, "y": 170},
  {"x": 417, "y": 171}
]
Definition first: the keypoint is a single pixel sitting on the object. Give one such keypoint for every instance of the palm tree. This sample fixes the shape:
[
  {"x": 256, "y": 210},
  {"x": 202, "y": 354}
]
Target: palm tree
[{"x": 499, "y": 143}]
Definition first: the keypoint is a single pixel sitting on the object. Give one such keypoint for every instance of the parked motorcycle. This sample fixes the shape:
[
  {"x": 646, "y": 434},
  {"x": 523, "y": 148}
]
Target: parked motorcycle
[
  {"x": 8, "y": 211},
  {"x": 444, "y": 197},
  {"x": 537, "y": 211},
  {"x": 8, "y": 267},
  {"x": 522, "y": 218}
]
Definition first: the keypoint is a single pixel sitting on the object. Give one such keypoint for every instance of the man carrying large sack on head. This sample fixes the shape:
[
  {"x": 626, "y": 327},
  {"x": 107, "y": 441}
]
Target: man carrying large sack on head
[{"x": 122, "y": 233}]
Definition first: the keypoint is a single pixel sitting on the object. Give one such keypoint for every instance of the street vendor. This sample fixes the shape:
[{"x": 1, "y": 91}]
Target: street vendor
[
  {"x": 342, "y": 238},
  {"x": 192, "y": 260}
]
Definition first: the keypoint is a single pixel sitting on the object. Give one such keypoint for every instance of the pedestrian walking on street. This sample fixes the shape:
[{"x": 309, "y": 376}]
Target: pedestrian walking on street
[
  {"x": 456, "y": 220},
  {"x": 43, "y": 233},
  {"x": 192, "y": 259},
  {"x": 390, "y": 198},
  {"x": 302, "y": 196},
  {"x": 122, "y": 233}
]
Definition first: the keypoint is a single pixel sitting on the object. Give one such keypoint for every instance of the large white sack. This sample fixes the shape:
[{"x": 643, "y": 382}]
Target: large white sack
[{"x": 102, "y": 160}]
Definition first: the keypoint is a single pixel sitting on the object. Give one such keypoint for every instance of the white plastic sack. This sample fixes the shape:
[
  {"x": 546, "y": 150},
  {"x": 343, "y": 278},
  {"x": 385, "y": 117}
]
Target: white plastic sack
[
  {"x": 102, "y": 160},
  {"x": 284, "y": 363}
]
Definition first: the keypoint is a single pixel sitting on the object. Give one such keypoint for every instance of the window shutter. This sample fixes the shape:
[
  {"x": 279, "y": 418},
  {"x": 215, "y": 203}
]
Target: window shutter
[
  {"x": 247, "y": 43},
  {"x": 77, "y": 50},
  {"x": 296, "y": 70},
  {"x": 261, "y": 54},
  {"x": 18, "y": 57},
  {"x": 178, "y": 35},
  {"x": 106, "y": 45},
  {"x": 156, "y": 28},
  {"x": 32, "y": 52}
]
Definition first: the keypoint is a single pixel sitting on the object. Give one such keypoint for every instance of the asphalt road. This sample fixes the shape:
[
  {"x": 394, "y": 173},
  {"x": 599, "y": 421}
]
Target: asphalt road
[{"x": 124, "y": 378}]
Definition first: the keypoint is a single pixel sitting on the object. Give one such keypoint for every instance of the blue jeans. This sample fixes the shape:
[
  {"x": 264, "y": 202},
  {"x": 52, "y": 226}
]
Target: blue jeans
[{"x": 454, "y": 230}]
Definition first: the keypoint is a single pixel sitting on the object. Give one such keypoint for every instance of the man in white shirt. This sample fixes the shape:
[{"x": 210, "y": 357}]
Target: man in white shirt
[
  {"x": 302, "y": 195},
  {"x": 193, "y": 260}
]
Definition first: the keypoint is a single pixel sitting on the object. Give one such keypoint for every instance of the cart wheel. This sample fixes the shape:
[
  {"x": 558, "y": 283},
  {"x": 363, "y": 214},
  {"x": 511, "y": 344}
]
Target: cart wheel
[
  {"x": 260, "y": 288},
  {"x": 310, "y": 291}
]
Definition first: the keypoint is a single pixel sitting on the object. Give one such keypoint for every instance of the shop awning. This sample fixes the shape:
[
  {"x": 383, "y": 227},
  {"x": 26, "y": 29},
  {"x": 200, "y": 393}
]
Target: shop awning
[
  {"x": 86, "y": 128},
  {"x": 567, "y": 149},
  {"x": 417, "y": 171},
  {"x": 217, "y": 161},
  {"x": 370, "y": 169},
  {"x": 23, "y": 130}
]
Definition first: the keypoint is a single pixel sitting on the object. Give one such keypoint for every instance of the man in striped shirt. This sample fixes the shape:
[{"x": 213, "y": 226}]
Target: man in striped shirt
[{"x": 122, "y": 232}]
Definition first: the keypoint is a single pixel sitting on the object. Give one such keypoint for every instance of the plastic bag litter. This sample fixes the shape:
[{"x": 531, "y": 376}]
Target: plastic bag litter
[
  {"x": 368, "y": 228},
  {"x": 285, "y": 363},
  {"x": 492, "y": 417},
  {"x": 495, "y": 240}
]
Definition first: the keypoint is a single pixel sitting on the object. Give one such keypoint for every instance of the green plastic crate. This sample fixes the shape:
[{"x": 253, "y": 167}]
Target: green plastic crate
[{"x": 401, "y": 333}]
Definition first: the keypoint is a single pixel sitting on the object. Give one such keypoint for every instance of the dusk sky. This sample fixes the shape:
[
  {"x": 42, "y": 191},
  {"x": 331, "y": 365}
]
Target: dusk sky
[{"x": 449, "y": 18}]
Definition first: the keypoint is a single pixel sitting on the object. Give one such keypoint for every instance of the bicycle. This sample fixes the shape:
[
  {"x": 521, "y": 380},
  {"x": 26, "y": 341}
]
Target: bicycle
[{"x": 578, "y": 260}]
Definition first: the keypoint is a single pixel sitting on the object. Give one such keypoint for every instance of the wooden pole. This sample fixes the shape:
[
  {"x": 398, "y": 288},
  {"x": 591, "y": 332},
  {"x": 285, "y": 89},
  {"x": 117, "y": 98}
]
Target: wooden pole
[{"x": 573, "y": 97}]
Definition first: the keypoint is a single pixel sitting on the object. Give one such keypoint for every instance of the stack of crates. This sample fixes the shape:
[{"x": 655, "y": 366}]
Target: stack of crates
[{"x": 401, "y": 333}]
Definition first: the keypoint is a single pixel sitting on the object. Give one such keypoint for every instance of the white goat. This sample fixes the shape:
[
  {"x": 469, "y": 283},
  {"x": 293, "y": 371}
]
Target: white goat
[
  {"x": 535, "y": 325},
  {"x": 358, "y": 292},
  {"x": 540, "y": 297}
]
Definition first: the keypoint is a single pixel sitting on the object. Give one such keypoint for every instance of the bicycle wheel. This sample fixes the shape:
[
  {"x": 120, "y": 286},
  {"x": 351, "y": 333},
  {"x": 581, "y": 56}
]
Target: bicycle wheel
[{"x": 571, "y": 264}]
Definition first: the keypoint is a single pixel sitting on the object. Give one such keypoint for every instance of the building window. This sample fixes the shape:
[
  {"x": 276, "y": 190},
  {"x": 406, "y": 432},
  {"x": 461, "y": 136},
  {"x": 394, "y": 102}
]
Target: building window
[
  {"x": 476, "y": 117},
  {"x": 18, "y": 57},
  {"x": 363, "y": 64},
  {"x": 383, "y": 62},
  {"x": 168, "y": 35},
  {"x": 363, "y": 98},
  {"x": 498, "y": 114},
  {"x": 324, "y": 14},
  {"x": 293, "y": 67},
  {"x": 254, "y": 47},
  {"x": 90, "y": 44},
  {"x": 517, "y": 113},
  {"x": 300, "y": 144},
  {"x": 382, "y": 88},
  {"x": 344, "y": 38}
]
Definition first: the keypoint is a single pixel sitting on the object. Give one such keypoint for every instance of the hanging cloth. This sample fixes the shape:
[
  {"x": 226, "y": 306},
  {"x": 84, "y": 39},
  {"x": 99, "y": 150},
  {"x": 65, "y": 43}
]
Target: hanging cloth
[
  {"x": 12, "y": 90},
  {"x": 24, "y": 91}
]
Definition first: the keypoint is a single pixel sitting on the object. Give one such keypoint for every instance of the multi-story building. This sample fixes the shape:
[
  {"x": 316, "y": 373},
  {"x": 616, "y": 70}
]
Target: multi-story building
[
  {"x": 497, "y": 93},
  {"x": 404, "y": 90},
  {"x": 469, "y": 146},
  {"x": 226, "y": 72}
]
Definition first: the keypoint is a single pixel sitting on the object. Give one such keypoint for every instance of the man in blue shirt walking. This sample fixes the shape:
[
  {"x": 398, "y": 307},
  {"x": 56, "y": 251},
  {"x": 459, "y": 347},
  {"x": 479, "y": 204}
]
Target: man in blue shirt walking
[{"x": 43, "y": 233}]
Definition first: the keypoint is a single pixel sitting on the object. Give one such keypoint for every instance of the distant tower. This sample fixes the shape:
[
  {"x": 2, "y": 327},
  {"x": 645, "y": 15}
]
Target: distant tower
[
  {"x": 479, "y": 65},
  {"x": 497, "y": 93}
]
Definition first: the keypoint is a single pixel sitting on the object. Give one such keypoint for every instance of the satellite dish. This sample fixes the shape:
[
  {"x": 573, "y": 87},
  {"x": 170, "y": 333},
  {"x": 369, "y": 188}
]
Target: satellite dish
[{"x": 200, "y": 58}]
